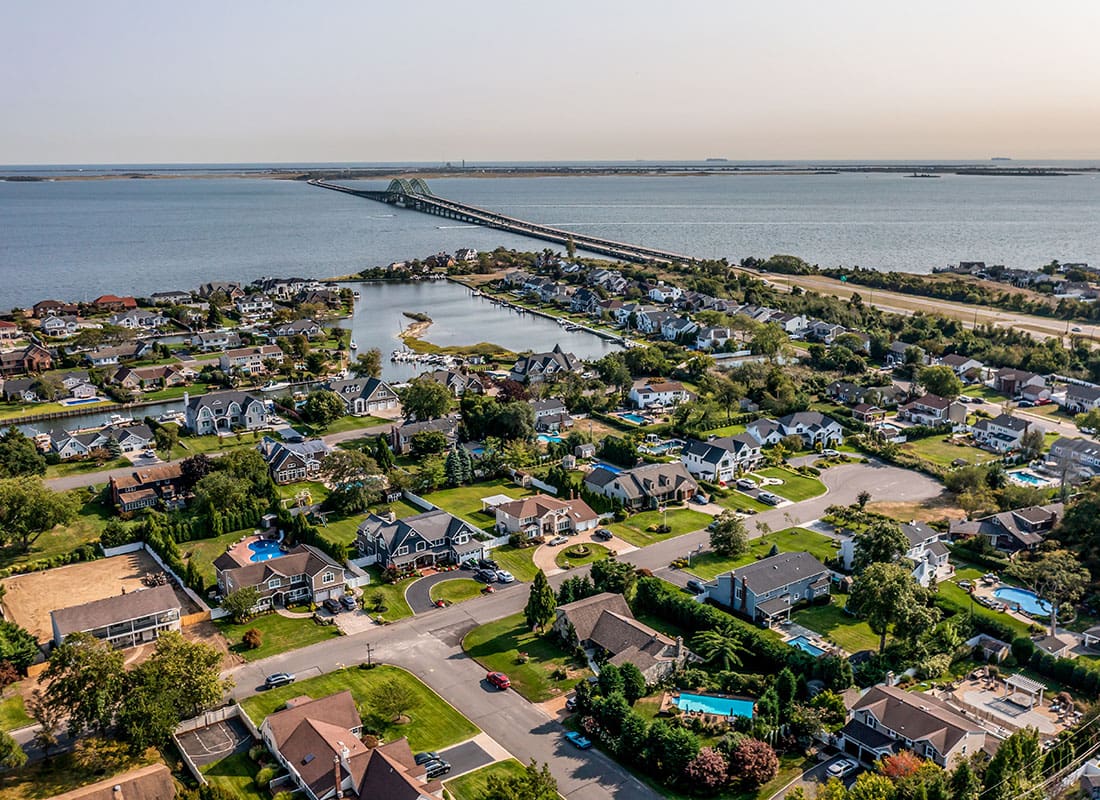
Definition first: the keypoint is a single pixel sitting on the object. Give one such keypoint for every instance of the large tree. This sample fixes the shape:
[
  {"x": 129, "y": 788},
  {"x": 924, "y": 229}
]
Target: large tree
[
  {"x": 323, "y": 408},
  {"x": 885, "y": 594},
  {"x": 425, "y": 399},
  {"x": 391, "y": 700},
  {"x": 611, "y": 575},
  {"x": 719, "y": 647},
  {"x": 368, "y": 364},
  {"x": 880, "y": 542},
  {"x": 728, "y": 537},
  {"x": 28, "y": 509},
  {"x": 534, "y": 783},
  {"x": 540, "y": 604},
  {"x": 195, "y": 468},
  {"x": 85, "y": 680},
  {"x": 17, "y": 645},
  {"x": 356, "y": 481},
  {"x": 940, "y": 380},
  {"x": 1056, "y": 576},
  {"x": 219, "y": 492},
  {"x": 19, "y": 456}
]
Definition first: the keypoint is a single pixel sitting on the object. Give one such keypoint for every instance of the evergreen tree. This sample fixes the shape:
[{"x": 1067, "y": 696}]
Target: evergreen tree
[
  {"x": 382, "y": 454},
  {"x": 540, "y": 604},
  {"x": 634, "y": 683},
  {"x": 452, "y": 468}
]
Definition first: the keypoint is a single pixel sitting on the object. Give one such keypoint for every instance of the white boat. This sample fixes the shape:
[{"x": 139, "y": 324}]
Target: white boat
[
  {"x": 355, "y": 294},
  {"x": 354, "y": 346},
  {"x": 170, "y": 416},
  {"x": 274, "y": 386}
]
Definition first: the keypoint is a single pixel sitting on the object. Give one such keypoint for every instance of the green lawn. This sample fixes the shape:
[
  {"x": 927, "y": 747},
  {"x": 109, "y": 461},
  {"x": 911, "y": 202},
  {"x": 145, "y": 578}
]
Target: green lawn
[
  {"x": 12, "y": 411},
  {"x": 596, "y": 552},
  {"x": 473, "y": 785},
  {"x": 795, "y": 487},
  {"x": 728, "y": 430},
  {"x": 456, "y": 590},
  {"x": 342, "y": 425},
  {"x": 939, "y": 451},
  {"x": 66, "y": 468},
  {"x": 681, "y": 520},
  {"x": 952, "y": 591},
  {"x": 191, "y": 445},
  {"x": 204, "y": 551},
  {"x": 13, "y": 714},
  {"x": 176, "y": 392},
  {"x": 393, "y": 596},
  {"x": 86, "y": 528},
  {"x": 289, "y": 491},
  {"x": 738, "y": 500},
  {"x": 465, "y": 501},
  {"x": 433, "y": 723},
  {"x": 837, "y": 626},
  {"x": 497, "y": 645},
  {"x": 235, "y": 775},
  {"x": 279, "y": 635},
  {"x": 517, "y": 560},
  {"x": 708, "y": 565},
  {"x": 345, "y": 530}
]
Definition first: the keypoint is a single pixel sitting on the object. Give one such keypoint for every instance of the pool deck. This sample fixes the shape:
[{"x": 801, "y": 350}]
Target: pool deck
[{"x": 240, "y": 552}]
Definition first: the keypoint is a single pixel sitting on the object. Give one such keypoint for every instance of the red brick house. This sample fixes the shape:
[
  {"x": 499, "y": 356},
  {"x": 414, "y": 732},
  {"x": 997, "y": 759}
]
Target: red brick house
[
  {"x": 111, "y": 302},
  {"x": 30, "y": 359}
]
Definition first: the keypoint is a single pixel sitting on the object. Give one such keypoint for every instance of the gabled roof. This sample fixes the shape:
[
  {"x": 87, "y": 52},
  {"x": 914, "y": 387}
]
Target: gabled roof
[
  {"x": 584, "y": 614},
  {"x": 430, "y": 526},
  {"x": 154, "y": 782},
  {"x": 362, "y": 388},
  {"x": 303, "y": 559},
  {"x": 917, "y": 717},
  {"x": 778, "y": 571},
  {"x": 539, "y": 505},
  {"x": 118, "y": 608},
  {"x": 219, "y": 402}
]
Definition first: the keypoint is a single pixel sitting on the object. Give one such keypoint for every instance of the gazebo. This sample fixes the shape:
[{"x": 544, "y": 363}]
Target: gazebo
[
  {"x": 1024, "y": 692},
  {"x": 490, "y": 503}
]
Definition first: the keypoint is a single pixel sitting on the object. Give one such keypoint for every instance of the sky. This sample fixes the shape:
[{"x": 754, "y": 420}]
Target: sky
[{"x": 426, "y": 81}]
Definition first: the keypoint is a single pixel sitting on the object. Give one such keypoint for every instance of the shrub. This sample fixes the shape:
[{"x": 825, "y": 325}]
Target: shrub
[
  {"x": 265, "y": 776},
  {"x": 256, "y": 752},
  {"x": 754, "y": 762},
  {"x": 707, "y": 772},
  {"x": 253, "y": 638}
]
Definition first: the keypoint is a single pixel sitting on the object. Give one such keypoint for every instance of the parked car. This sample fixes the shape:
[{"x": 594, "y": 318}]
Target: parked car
[
  {"x": 150, "y": 453},
  {"x": 504, "y": 576},
  {"x": 577, "y": 740},
  {"x": 470, "y": 563},
  {"x": 488, "y": 589},
  {"x": 499, "y": 680},
  {"x": 437, "y": 768},
  {"x": 424, "y": 758},
  {"x": 487, "y": 563},
  {"x": 603, "y": 534},
  {"x": 696, "y": 586},
  {"x": 278, "y": 679},
  {"x": 830, "y": 453},
  {"x": 557, "y": 540},
  {"x": 487, "y": 575},
  {"x": 965, "y": 398},
  {"x": 746, "y": 483},
  {"x": 332, "y": 606},
  {"x": 571, "y": 703},
  {"x": 348, "y": 602},
  {"x": 700, "y": 499},
  {"x": 769, "y": 498},
  {"x": 841, "y": 768}
]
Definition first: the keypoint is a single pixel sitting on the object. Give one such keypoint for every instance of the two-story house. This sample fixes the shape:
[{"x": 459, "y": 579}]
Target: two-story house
[
  {"x": 1002, "y": 434},
  {"x": 254, "y": 305},
  {"x": 422, "y": 540},
  {"x": 679, "y": 329},
  {"x": 1079, "y": 458},
  {"x": 541, "y": 366},
  {"x": 138, "y": 319},
  {"x": 664, "y": 293},
  {"x": 933, "y": 410},
  {"x": 709, "y": 338},
  {"x": 222, "y": 412},
  {"x": 647, "y": 486},
  {"x": 250, "y": 360},
  {"x": 659, "y": 393},
  {"x": 1011, "y": 381},
  {"x": 1081, "y": 398},
  {"x": 969, "y": 369},
  {"x": 721, "y": 460},
  {"x": 457, "y": 383},
  {"x": 1012, "y": 531},
  {"x": 290, "y": 462},
  {"x": 365, "y": 396},
  {"x": 551, "y": 415},
  {"x": 926, "y": 551},
  {"x": 302, "y": 574},
  {"x": 215, "y": 340},
  {"x": 766, "y": 590},
  {"x": 145, "y": 487},
  {"x": 401, "y": 436},
  {"x": 543, "y": 515},
  {"x": 300, "y": 327}
]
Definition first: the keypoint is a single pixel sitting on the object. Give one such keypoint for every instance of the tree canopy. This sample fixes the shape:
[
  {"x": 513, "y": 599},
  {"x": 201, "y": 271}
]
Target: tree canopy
[
  {"x": 28, "y": 509},
  {"x": 425, "y": 399}
]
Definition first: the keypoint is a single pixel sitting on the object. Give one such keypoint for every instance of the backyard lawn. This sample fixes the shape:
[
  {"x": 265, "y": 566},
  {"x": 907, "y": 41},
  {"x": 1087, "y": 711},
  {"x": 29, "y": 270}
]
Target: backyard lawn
[
  {"x": 393, "y": 596},
  {"x": 465, "y": 501},
  {"x": 795, "y": 487},
  {"x": 342, "y": 425},
  {"x": 67, "y": 468},
  {"x": 952, "y": 591},
  {"x": 433, "y": 723},
  {"x": 13, "y": 714},
  {"x": 941, "y": 452},
  {"x": 289, "y": 491},
  {"x": 728, "y": 430},
  {"x": 279, "y": 635},
  {"x": 517, "y": 560},
  {"x": 708, "y": 565},
  {"x": 566, "y": 561},
  {"x": 235, "y": 774},
  {"x": 204, "y": 551},
  {"x": 85, "y": 528},
  {"x": 838, "y": 626},
  {"x": 497, "y": 645},
  {"x": 473, "y": 785},
  {"x": 456, "y": 590},
  {"x": 681, "y": 520}
]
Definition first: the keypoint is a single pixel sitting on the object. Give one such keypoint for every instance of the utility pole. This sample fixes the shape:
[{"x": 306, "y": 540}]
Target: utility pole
[{"x": 370, "y": 654}]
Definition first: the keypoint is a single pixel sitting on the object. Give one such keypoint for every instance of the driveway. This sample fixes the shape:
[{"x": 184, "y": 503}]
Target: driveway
[
  {"x": 815, "y": 775},
  {"x": 419, "y": 592}
]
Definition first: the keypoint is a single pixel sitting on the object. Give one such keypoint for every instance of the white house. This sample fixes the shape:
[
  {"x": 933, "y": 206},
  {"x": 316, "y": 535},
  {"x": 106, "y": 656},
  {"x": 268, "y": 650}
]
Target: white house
[
  {"x": 221, "y": 412},
  {"x": 664, "y": 293},
  {"x": 709, "y": 338},
  {"x": 676, "y": 327},
  {"x": 543, "y": 515},
  {"x": 668, "y": 393},
  {"x": 812, "y": 426},
  {"x": 721, "y": 460},
  {"x": 255, "y": 305},
  {"x": 1002, "y": 434},
  {"x": 250, "y": 360}
]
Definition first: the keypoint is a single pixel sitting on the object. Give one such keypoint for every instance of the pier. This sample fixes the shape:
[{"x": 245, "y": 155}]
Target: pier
[{"x": 416, "y": 195}]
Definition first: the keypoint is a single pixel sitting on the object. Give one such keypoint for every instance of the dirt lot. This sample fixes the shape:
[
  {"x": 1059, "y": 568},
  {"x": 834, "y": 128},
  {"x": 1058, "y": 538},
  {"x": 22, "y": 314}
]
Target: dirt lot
[
  {"x": 30, "y": 598},
  {"x": 942, "y": 507}
]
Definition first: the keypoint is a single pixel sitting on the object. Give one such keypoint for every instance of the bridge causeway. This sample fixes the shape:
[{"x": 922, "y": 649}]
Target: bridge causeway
[{"x": 415, "y": 194}]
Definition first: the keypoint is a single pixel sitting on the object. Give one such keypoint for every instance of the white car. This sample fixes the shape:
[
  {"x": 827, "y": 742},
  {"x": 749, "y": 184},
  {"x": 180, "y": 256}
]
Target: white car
[
  {"x": 557, "y": 540},
  {"x": 830, "y": 453},
  {"x": 504, "y": 576},
  {"x": 746, "y": 483},
  {"x": 841, "y": 768}
]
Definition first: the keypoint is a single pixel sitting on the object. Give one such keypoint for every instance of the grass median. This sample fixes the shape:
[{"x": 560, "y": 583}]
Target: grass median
[{"x": 279, "y": 635}]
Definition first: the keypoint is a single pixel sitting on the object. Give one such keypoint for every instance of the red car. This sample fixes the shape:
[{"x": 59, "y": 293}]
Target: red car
[
  {"x": 499, "y": 680},
  {"x": 487, "y": 589}
]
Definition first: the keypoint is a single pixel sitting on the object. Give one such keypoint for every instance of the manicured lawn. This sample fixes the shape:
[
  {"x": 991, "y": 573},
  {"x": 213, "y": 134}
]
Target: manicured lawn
[
  {"x": 345, "y": 530},
  {"x": 204, "y": 551},
  {"x": 235, "y": 775},
  {"x": 681, "y": 520},
  {"x": 708, "y": 565},
  {"x": 290, "y": 491},
  {"x": 497, "y": 645},
  {"x": 433, "y": 723},
  {"x": 177, "y": 392},
  {"x": 836, "y": 625},
  {"x": 13, "y": 714},
  {"x": 517, "y": 560},
  {"x": 473, "y": 785},
  {"x": 190, "y": 445},
  {"x": 952, "y": 591},
  {"x": 393, "y": 596},
  {"x": 66, "y": 468},
  {"x": 941, "y": 452},
  {"x": 456, "y": 590},
  {"x": 279, "y": 635},
  {"x": 343, "y": 425},
  {"x": 9, "y": 411},
  {"x": 738, "y": 500},
  {"x": 595, "y": 553},
  {"x": 728, "y": 430},
  {"x": 85, "y": 528},
  {"x": 795, "y": 487},
  {"x": 465, "y": 501}
]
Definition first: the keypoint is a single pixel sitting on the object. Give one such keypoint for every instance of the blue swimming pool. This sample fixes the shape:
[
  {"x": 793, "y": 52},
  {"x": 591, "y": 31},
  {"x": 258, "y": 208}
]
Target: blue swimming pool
[
  {"x": 804, "y": 644},
  {"x": 609, "y": 467},
  {"x": 1028, "y": 478},
  {"x": 709, "y": 704},
  {"x": 264, "y": 550},
  {"x": 1028, "y": 602},
  {"x": 637, "y": 419},
  {"x": 549, "y": 437},
  {"x": 82, "y": 401}
]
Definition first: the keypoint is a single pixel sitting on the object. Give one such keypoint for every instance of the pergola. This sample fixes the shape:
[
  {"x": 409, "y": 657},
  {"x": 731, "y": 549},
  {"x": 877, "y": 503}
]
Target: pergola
[
  {"x": 1024, "y": 691},
  {"x": 491, "y": 502}
]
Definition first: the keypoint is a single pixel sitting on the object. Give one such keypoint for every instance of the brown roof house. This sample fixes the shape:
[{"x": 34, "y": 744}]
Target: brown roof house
[
  {"x": 302, "y": 573},
  {"x": 125, "y": 620},
  {"x": 543, "y": 515},
  {"x": 604, "y": 623},
  {"x": 143, "y": 488},
  {"x": 153, "y": 782},
  {"x": 318, "y": 743},
  {"x": 647, "y": 486}
]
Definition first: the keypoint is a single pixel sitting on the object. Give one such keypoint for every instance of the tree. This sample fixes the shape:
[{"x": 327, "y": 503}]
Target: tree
[
  {"x": 940, "y": 380},
  {"x": 18, "y": 455},
  {"x": 883, "y": 595},
  {"x": 85, "y": 681},
  {"x": 754, "y": 761},
  {"x": 1032, "y": 442},
  {"x": 166, "y": 437},
  {"x": 786, "y": 687},
  {"x": 392, "y": 699},
  {"x": 356, "y": 481},
  {"x": 11, "y": 754},
  {"x": 718, "y": 647},
  {"x": 425, "y": 399},
  {"x": 862, "y": 499},
  {"x": 195, "y": 468},
  {"x": 17, "y": 646},
  {"x": 900, "y": 764},
  {"x": 540, "y": 604},
  {"x": 383, "y": 454},
  {"x": 220, "y": 492},
  {"x": 768, "y": 340},
  {"x": 241, "y": 602},
  {"x": 880, "y": 542},
  {"x": 535, "y": 783},
  {"x": 612, "y": 575},
  {"x": 634, "y": 683},
  {"x": 424, "y": 443},
  {"x": 48, "y": 719},
  {"x": 1015, "y": 769},
  {"x": 323, "y": 408},
  {"x": 870, "y": 786},
  {"x": 1056, "y": 576},
  {"x": 253, "y": 638},
  {"x": 707, "y": 772},
  {"x": 728, "y": 537},
  {"x": 28, "y": 509},
  {"x": 964, "y": 783},
  {"x": 670, "y": 749},
  {"x": 368, "y": 364}
]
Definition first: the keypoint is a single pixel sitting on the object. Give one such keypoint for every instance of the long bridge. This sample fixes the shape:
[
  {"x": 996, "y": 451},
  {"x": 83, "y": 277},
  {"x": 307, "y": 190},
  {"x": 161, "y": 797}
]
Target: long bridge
[{"x": 415, "y": 194}]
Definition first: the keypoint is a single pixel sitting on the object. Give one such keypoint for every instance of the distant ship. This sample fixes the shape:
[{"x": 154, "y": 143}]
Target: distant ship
[
  {"x": 1000, "y": 158},
  {"x": 717, "y": 159}
]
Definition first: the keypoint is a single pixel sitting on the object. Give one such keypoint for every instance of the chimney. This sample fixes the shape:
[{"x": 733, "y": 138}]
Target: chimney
[
  {"x": 336, "y": 775},
  {"x": 186, "y": 399},
  {"x": 679, "y": 646}
]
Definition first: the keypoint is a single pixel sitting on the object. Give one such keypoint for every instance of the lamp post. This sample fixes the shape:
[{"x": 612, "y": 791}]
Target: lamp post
[{"x": 697, "y": 549}]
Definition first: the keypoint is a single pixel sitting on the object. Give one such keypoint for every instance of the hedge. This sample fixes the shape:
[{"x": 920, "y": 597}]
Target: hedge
[
  {"x": 86, "y": 552},
  {"x": 1068, "y": 671},
  {"x": 965, "y": 553},
  {"x": 984, "y": 620}
]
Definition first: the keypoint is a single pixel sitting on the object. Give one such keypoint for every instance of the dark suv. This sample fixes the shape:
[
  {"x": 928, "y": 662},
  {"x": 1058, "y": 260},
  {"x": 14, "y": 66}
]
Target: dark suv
[
  {"x": 603, "y": 534},
  {"x": 436, "y": 769},
  {"x": 332, "y": 606}
]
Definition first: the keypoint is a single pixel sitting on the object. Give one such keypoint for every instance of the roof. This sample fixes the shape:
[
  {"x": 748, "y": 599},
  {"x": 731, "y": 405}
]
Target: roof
[
  {"x": 778, "y": 571},
  {"x": 153, "y": 782},
  {"x": 866, "y": 735},
  {"x": 1010, "y": 422},
  {"x": 714, "y": 450},
  {"x": 352, "y": 388},
  {"x": 1051, "y": 644},
  {"x": 540, "y": 505},
  {"x": 118, "y": 608},
  {"x": 917, "y": 717},
  {"x": 302, "y": 559},
  {"x": 584, "y": 614},
  {"x": 140, "y": 477},
  {"x": 918, "y": 532},
  {"x": 615, "y": 632},
  {"x": 1087, "y": 393},
  {"x": 645, "y": 480},
  {"x": 219, "y": 402},
  {"x": 430, "y": 526},
  {"x": 933, "y": 401}
]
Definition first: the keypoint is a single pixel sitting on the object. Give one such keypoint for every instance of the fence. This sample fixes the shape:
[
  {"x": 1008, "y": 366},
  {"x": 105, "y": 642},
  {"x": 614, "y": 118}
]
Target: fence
[
  {"x": 187, "y": 620},
  {"x": 204, "y": 720},
  {"x": 133, "y": 547},
  {"x": 496, "y": 542},
  {"x": 546, "y": 487},
  {"x": 418, "y": 501},
  {"x": 122, "y": 549}
]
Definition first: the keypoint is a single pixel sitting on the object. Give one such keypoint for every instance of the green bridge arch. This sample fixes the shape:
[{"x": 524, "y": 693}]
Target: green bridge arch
[{"x": 414, "y": 186}]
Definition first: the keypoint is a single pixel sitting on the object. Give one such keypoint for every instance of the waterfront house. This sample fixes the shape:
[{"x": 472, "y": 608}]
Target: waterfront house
[
  {"x": 290, "y": 462},
  {"x": 112, "y": 302},
  {"x": 9, "y": 331},
  {"x": 551, "y": 415},
  {"x": 584, "y": 301},
  {"x": 1012, "y": 531},
  {"x": 170, "y": 298},
  {"x": 125, "y": 620},
  {"x": 663, "y": 393},
  {"x": 109, "y": 356},
  {"x": 215, "y": 340},
  {"x": 145, "y": 487},
  {"x": 250, "y": 360},
  {"x": 647, "y": 486},
  {"x": 143, "y": 378},
  {"x": 422, "y": 540},
  {"x": 25, "y": 361},
  {"x": 1081, "y": 398},
  {"x": 604, "y": 624},
  {"x": 541, "y": 366},
  {"x": 302, "y": 574},
  {"x": 59, "y": 326},
  {"x": 254, "y": 305},
  {"x": 223, "y": 412},
  {"x": 886, "y": 719},
  {"x": 543, "y": 515},
  {"x": 457, "y": 383},
  {"x": 721, "y": 460},
  {"x": 1002, "y": 434},
  {"x": 20, "y": 390},
  {"x": 300, "y": 327},
  {"x": 138, "y": 319},
  {"x": 401, "y": 436},
  {"x": 54, "y": 308},
  {"x": 130, "y": 439},
  {"x": 365, "y": 396},
  {"x": 230, "y": 289},
  {"x": 1011, "y": 381},
  {"x": 933, "y": 411},
  {"x": 766, "y": 590}
]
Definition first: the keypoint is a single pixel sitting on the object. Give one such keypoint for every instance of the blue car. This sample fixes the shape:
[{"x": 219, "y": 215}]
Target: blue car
[{"x": 578, "y": 741}]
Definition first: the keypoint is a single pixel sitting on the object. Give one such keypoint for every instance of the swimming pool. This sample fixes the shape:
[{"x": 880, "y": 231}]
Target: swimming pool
[
  {"x": 609, "y": 467},
  {"x": 548, "y": 437},
  {"x": 709, "y": 704},
  {"x": 637, "y": 419},
  {"x": 805, "y": 645},
  {"x": 264, "y": 550},
  {"x": 1029, "y": 478},
  {"x": 82, "y": 401},
  {"x": 1027, "y": 601}
]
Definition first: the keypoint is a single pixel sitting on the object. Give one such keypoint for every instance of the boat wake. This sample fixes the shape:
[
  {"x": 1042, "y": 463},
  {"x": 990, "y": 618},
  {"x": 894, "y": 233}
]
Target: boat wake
[{"x": 455, "y": 227}]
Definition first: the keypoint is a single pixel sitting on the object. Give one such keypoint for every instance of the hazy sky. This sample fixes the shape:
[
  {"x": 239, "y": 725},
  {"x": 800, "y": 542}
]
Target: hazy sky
[{"x": 419, "y": 80}]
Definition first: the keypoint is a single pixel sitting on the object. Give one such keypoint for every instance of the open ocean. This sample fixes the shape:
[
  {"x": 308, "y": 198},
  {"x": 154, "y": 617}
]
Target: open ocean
[{"x": 75, "y": 240}]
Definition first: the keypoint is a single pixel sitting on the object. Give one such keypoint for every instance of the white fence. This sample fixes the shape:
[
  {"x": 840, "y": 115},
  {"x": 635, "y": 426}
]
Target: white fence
[
  {"x": 133, "y": 547},
  {"x": 496, "y": 542},
  {"x": 418, "y": 501},
  {"x": 122, "y": 549},
  {"x": 544, "y": 486},
  {"x": 205, "y": 720}
]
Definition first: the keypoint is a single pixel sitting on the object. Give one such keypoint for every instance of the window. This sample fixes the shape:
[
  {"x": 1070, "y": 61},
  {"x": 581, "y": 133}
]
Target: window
[
  {"x": 420, "y": 546},
  {"x": 402, "y": 551},
  {"x": 328, "y": 577},
  {"x": 462, "y": 538},
  {"x": 274, "y": 583}
]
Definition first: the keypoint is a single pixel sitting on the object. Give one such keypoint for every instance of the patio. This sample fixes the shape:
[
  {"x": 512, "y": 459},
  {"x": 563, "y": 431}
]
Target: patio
[{"x": 1011, "y": 705}]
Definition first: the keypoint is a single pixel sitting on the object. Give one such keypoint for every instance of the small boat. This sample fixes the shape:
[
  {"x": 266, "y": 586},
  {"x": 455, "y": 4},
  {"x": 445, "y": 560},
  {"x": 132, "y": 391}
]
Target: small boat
[
  {"x": 170, "y": 416},
  {"x": 274, "y": 386},
  {"x": 355, "y": 294},
  {"x": 354, "y": 346}
]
